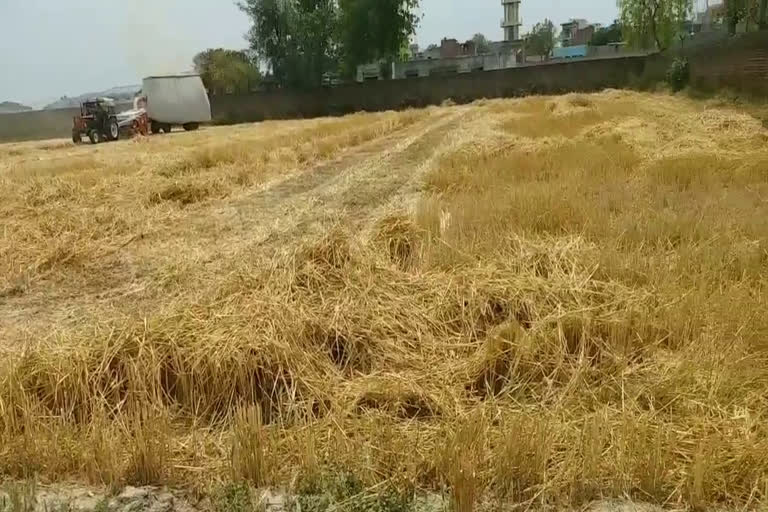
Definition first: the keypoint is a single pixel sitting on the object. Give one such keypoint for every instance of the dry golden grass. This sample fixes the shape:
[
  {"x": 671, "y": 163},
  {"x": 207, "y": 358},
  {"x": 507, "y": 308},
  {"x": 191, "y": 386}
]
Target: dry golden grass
[{"x": 572, "y": 307}]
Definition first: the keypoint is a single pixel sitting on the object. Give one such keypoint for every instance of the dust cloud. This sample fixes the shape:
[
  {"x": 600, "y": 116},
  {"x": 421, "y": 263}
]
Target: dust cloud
[{"x": 152, "y": 40}]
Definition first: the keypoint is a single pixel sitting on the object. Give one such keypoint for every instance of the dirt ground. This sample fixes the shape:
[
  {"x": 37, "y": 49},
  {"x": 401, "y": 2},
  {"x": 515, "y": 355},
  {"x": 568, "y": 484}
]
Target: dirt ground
[{"x": 133, "y": 499}]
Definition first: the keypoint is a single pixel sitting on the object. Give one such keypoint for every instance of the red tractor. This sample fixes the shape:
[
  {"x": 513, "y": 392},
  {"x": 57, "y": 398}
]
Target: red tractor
[{"x": 99, "y": 122}]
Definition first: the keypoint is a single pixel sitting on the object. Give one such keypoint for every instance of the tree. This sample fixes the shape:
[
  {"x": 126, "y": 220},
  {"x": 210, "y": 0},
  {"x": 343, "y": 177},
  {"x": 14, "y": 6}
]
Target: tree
[
  {"x": 609, "y": 34},
  {"x": 226, "y": 71},
  {"x": 653, "y": 23},
  {"x": 303, "y": 41},
  {"x": 270, "y": 33},
  {"x": 315, "y": 41},
  {"x": 541, "y": 40},
  {"x": 481, "y": 44},
  {"x": 751, "y": 12},
  {"x": 374, "y": 30},
  {"x": 295, "y": 38}
]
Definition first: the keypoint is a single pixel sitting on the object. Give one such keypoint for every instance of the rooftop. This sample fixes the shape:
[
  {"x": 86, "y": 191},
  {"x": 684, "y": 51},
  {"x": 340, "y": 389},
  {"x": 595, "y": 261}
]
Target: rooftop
[{"x": 580, "y": 22}]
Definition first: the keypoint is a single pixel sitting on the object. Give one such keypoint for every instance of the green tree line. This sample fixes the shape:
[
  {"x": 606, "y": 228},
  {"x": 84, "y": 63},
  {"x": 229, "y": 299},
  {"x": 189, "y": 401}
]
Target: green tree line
[
  {"x": 227, "y": 71},
  {"x": 305, "y": 43},
  {"x": 656, "y": 23}
]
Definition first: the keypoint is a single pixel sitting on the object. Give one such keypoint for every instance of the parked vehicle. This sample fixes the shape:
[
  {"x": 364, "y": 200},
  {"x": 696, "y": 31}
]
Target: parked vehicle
[{"x": 176, "y": 100}]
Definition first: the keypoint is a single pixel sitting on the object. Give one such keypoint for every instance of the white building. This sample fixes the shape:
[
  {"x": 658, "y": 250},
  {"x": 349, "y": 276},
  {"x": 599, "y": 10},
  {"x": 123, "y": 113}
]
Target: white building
[{"x": 511, "y": 22}]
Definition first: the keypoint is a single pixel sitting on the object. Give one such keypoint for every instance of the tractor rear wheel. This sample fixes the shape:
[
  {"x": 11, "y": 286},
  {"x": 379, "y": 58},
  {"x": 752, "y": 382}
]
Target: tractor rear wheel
[
  {"x": 95, "y": 136},
  {"x": 113, "y": 130}
]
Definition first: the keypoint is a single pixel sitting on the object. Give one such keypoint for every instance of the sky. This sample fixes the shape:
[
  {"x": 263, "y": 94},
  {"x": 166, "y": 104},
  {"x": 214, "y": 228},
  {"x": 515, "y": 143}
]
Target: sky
[{"x": 53, "y": 48}]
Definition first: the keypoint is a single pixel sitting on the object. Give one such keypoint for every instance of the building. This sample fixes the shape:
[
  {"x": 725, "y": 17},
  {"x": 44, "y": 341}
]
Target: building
[
  {"x": 587, "y": 51},
  {"x": 503, "y": 57},
  {"x": 453, "y": 57},
  {"x": 450, "y": 48},
  {"x": 511, "y": 22},
  {"x": 712, "y": 18},
  {"x": 576, "y": 51},
  {"x": 432, "y": 52},
  {"x": 373, "y": 71},
  {"x": 453, "y": 65},
  {"x": 577, "y": 32}
]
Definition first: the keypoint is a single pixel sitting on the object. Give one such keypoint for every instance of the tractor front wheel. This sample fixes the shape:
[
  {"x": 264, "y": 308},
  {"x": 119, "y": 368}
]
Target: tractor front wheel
[
  {"x": 77, "y": 137},
  {"x": 94, "y": 136}
]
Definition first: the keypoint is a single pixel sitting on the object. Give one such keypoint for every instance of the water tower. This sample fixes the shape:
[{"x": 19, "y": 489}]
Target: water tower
[{"x": 511, "y": 23}]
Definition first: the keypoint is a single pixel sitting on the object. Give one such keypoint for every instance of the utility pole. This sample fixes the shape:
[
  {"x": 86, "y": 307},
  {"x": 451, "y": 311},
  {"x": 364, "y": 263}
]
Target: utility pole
[{"x": 763, "y": 14}]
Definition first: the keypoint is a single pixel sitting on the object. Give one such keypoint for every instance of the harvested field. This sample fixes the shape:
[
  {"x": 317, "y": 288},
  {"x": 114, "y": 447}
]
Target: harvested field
[{"x": 540, "y": 301}]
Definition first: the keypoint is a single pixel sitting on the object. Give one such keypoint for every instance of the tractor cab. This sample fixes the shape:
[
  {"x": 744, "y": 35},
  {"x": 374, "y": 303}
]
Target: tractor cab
[{"x": 98, "y": 107}]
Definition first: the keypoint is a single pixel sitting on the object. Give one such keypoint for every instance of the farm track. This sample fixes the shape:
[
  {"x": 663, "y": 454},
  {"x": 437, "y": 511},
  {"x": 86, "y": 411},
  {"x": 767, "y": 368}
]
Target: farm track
[
  {"x": 350, "y": 190},
  {"x": 347, "y": 190}
]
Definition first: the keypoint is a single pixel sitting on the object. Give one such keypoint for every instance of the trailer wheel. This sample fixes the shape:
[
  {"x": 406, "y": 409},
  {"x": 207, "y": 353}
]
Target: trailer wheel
[
  {"x": 167, "y": 128},
  {"x": 113, "y": 130},
  {"x": 155, "y": 127},
  {"x": 94, "y": 136},
  {"x": 190, "y": 127}
]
